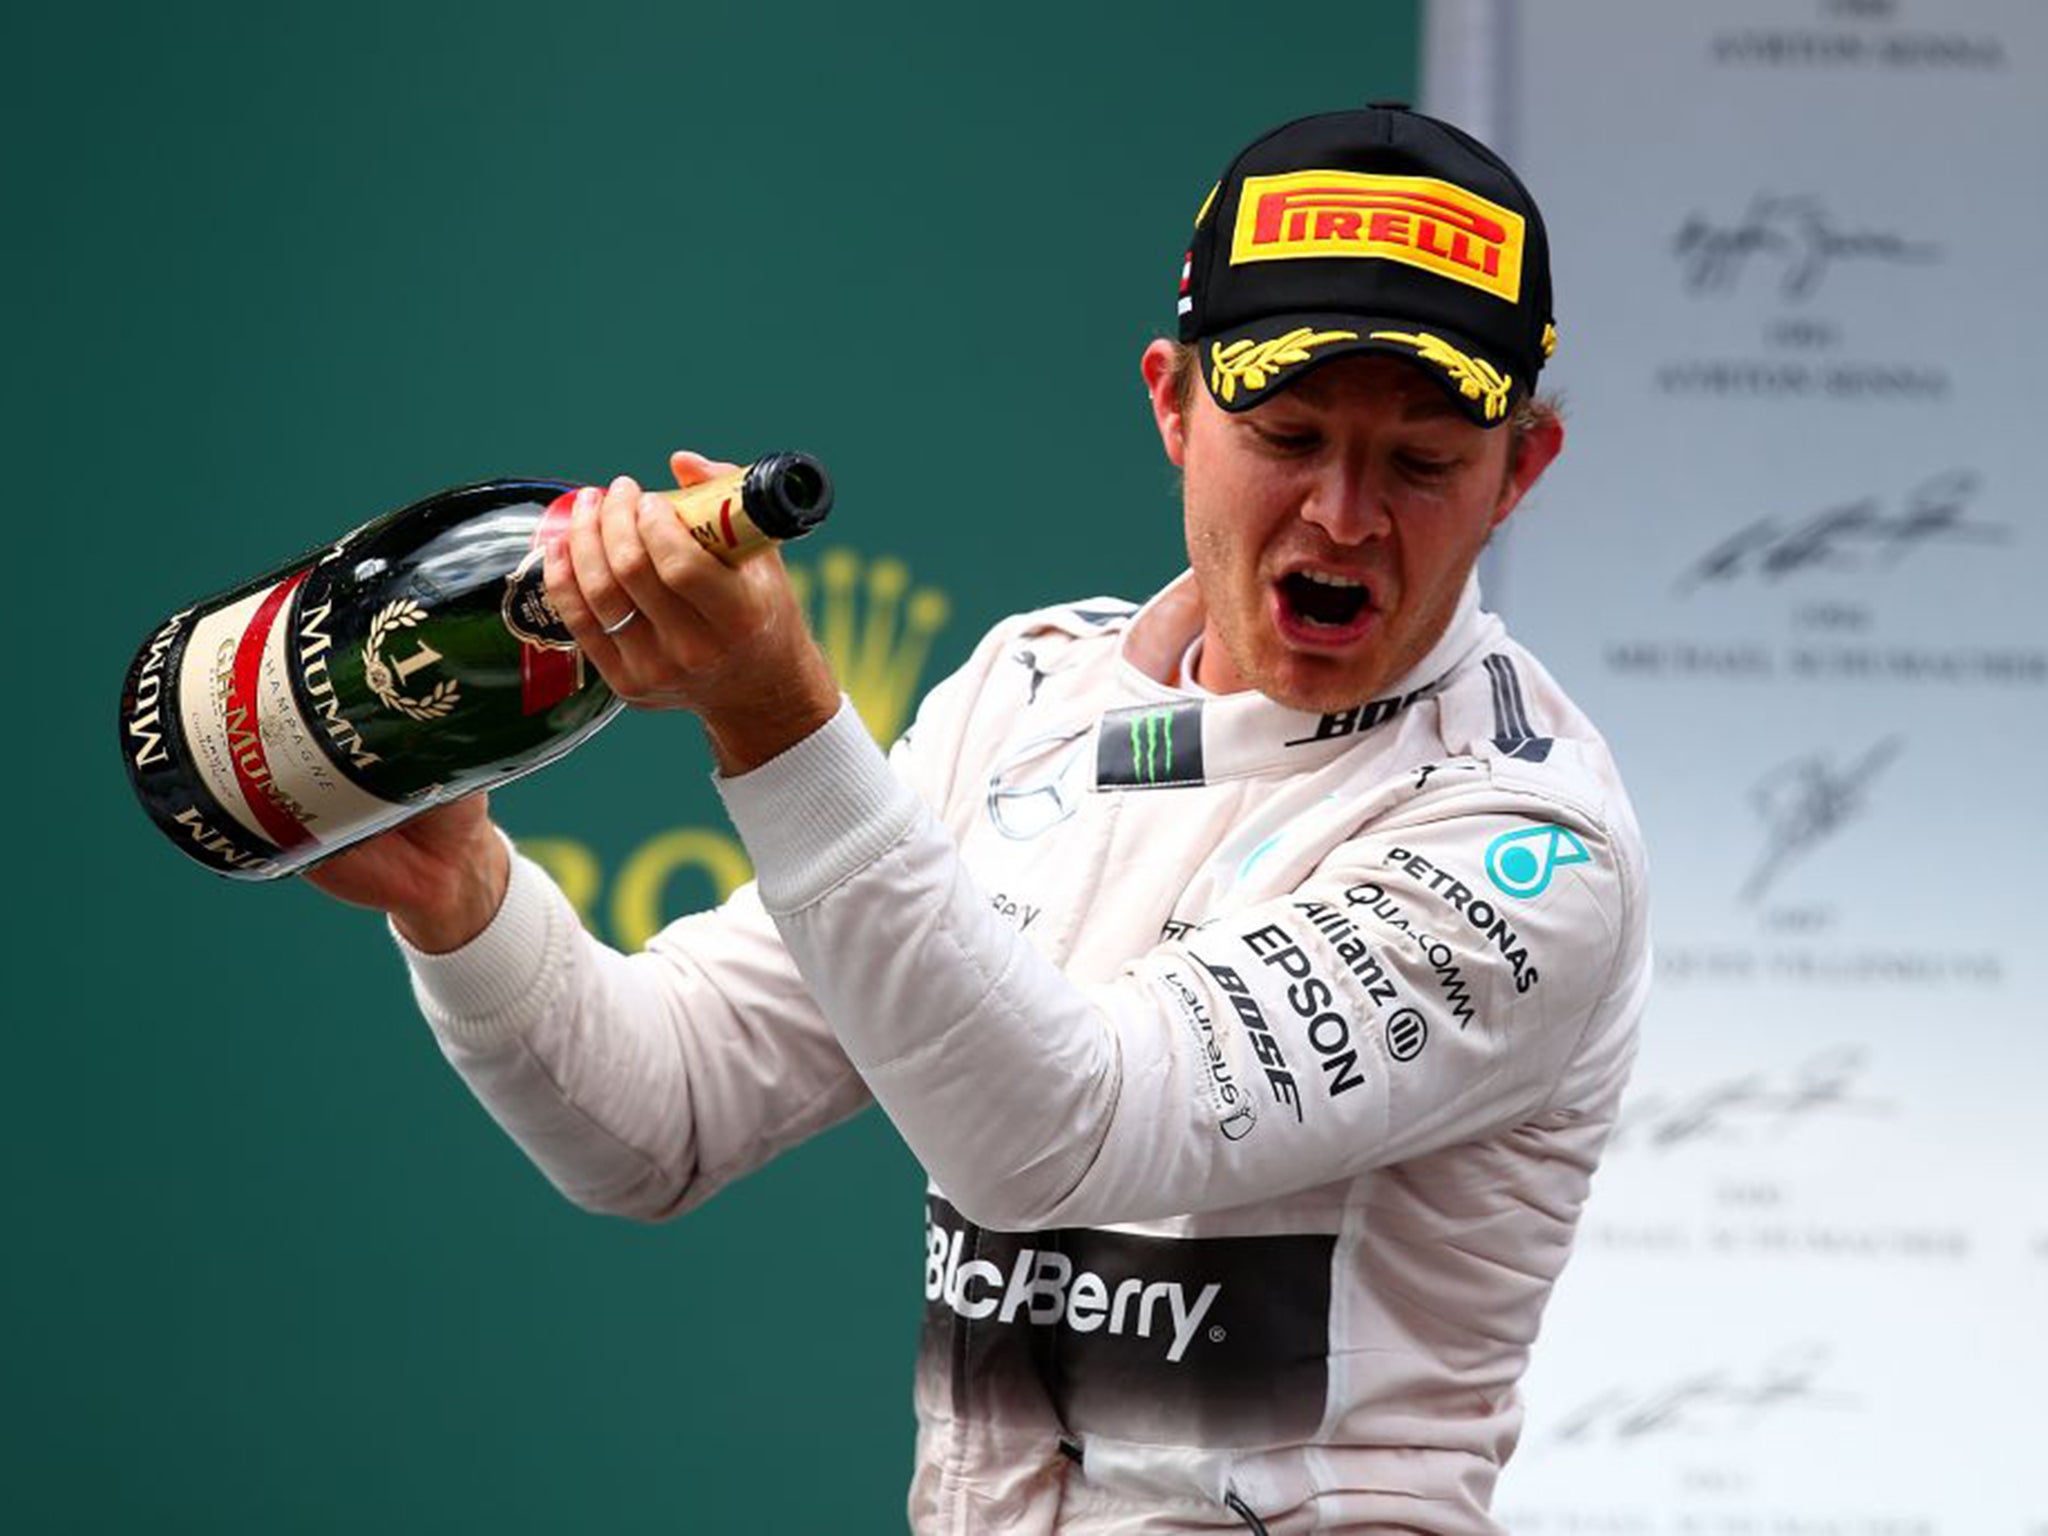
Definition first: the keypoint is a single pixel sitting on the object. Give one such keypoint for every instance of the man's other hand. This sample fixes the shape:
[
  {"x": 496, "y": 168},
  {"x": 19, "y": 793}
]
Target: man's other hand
[
  {"x": 441, "y": 876},
  {"x": 670, "y": 626}
]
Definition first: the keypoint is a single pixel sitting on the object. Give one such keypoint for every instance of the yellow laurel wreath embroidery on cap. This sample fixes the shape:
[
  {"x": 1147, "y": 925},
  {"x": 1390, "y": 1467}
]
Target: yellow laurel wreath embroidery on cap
[
  {"x": 1255, "y": 362},
  {"x": 1549, "y": 340},
  {"x": 1476, "y": 378},
  {"x": 1207, "y": 203}
]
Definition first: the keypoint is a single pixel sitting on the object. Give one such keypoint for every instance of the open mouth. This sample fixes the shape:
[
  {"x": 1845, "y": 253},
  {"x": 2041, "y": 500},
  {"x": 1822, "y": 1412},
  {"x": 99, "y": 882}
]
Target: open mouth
[{"x": 1318, "y": 600}]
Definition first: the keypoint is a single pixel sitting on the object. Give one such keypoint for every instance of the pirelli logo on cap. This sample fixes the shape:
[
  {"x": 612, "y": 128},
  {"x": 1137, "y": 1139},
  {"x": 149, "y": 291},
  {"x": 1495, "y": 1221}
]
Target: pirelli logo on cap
[{"x": 1414, "y": 219}]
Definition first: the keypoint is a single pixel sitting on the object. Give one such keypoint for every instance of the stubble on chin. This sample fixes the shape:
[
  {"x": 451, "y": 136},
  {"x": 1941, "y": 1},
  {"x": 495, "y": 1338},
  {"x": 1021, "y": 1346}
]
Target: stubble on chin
[{"x": 1227, "y": 622}]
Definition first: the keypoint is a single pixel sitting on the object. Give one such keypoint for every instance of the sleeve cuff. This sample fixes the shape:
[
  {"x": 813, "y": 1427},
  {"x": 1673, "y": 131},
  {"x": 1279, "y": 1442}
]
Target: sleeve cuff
[
  {"x": 820, "y": 813},
  {"x": 492, "y": 988}
]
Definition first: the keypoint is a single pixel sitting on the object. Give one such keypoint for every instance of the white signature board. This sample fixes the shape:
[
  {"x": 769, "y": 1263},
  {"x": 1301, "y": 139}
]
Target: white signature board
[{"x": 1794, "y": 562}]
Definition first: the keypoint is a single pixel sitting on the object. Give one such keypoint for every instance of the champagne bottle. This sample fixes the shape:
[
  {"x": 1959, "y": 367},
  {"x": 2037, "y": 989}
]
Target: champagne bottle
[{"x": 414, "y": 661}]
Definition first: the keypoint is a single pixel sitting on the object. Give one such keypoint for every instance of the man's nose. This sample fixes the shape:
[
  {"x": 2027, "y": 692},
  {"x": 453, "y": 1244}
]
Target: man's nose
[{"x": 1345, "y": 502}]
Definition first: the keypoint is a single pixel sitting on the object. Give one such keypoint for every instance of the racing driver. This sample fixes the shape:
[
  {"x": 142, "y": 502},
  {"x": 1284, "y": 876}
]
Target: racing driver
[{"x": 1254, "y": 972}]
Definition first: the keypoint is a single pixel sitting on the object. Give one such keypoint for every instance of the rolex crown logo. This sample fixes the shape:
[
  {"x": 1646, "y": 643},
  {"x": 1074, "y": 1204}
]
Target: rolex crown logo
[{"x": 876, "y": 632}]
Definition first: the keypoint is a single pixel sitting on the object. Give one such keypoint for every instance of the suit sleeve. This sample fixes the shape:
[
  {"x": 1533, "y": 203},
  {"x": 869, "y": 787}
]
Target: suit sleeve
[
  {"x": 641, "y": 1084},
  {"x": 1437, "y": 981},
  {"x": 638, "y": 1084}
]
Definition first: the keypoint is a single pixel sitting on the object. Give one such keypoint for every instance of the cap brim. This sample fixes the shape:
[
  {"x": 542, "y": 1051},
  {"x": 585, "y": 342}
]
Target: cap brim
[{"x": 1252, "y": 362}]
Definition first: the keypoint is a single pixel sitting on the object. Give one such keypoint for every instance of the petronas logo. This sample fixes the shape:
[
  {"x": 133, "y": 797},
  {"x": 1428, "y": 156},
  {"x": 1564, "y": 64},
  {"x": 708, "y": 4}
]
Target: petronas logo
[
  {"x": 876, "y": 628},
  {"x": 1152, "y": 746}
]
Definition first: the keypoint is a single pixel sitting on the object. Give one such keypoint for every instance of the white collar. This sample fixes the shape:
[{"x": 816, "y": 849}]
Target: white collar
[{"x": 1230, "y": 735}]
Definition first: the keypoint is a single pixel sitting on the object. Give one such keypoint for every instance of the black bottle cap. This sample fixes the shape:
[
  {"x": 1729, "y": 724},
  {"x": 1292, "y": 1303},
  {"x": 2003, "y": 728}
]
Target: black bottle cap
[{"x": 786, "y": 494}]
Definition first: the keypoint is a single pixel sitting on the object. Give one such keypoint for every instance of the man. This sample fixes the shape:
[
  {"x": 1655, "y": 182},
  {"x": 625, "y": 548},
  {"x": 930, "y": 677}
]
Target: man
[{"x": 1255, "y": 974}]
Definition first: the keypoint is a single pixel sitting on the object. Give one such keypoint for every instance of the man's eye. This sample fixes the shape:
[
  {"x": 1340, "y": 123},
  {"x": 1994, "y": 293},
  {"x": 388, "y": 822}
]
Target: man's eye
[
  {"x": 1287, "y": 442},
  {"x": 1419, "y": 466}
]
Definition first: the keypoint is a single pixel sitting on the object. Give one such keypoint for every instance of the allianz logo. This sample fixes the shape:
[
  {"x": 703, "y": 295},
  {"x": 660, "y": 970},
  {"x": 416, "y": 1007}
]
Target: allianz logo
[{"x": 1043, "y": 1290}]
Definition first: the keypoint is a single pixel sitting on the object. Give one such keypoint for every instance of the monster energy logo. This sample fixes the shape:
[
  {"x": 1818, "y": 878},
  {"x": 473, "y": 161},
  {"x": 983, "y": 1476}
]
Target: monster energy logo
[
  {"x": 1152, "y": 745},
  {"x": 1144, "y": 748}
]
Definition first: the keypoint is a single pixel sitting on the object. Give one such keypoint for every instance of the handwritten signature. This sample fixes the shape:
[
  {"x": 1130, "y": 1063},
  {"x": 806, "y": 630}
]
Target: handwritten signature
[
  {"x": 1792, "y": 231},
  {"x": 1736, "y": 1109},
  {"x": 1715, "y": 1402},
  {"x": 1854, "y": 536},
  {"x": 1806, "y": 801}
]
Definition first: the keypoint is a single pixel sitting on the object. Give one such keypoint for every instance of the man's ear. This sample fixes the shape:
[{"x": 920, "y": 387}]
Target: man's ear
[
  {"x": 1533, "y": 454},
  {"x": 1157, "y": 366}
]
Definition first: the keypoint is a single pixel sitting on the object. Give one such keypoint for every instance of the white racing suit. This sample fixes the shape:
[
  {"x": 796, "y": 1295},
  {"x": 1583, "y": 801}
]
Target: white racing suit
[{"x": 1259, "y": 1061}]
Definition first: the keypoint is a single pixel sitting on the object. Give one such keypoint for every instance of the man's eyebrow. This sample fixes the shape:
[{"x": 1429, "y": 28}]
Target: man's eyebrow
[
  {"x": 1430, "y": 405},
  {"x": 1426, "y": 405}
]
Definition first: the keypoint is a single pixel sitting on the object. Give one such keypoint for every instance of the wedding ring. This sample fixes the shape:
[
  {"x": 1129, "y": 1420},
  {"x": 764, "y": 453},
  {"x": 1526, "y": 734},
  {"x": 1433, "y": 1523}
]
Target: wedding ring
[{"x": 614, "y": 627}]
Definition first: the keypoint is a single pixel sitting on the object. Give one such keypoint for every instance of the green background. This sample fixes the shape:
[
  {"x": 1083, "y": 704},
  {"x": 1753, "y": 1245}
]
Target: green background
[{"x": 273, "y": 270}]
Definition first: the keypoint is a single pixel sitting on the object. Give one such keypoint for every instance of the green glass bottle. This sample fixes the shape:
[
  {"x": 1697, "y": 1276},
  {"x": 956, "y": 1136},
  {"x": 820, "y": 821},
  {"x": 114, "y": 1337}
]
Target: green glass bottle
[{"x": 414, "y": 661}]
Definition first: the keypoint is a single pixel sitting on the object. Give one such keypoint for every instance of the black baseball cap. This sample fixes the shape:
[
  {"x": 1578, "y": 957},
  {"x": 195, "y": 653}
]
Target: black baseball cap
[{"x": 1373, "y": 230}]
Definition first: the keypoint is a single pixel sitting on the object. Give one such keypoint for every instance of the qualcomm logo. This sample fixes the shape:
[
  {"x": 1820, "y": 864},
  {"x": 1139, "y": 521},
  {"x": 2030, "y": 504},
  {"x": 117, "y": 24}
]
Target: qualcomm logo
[{"x": 1521, "y": 863}]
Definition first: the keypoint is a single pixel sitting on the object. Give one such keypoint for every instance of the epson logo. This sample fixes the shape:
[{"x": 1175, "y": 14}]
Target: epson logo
[{"x": 1043, "y": 1290}]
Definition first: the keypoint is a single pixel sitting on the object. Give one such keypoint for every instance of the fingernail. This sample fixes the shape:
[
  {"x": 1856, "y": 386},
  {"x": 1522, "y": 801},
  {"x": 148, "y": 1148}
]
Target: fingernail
[
  {"x": 624, "y": 483},
  {"x": 652, "y": 505},
  {"x": 586, "y": 500}
]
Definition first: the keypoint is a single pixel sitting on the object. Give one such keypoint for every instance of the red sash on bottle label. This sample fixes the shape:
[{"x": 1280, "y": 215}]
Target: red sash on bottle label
[
  {"x": 548, "y": 676},
  {"x": 243, "y": 719}
]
